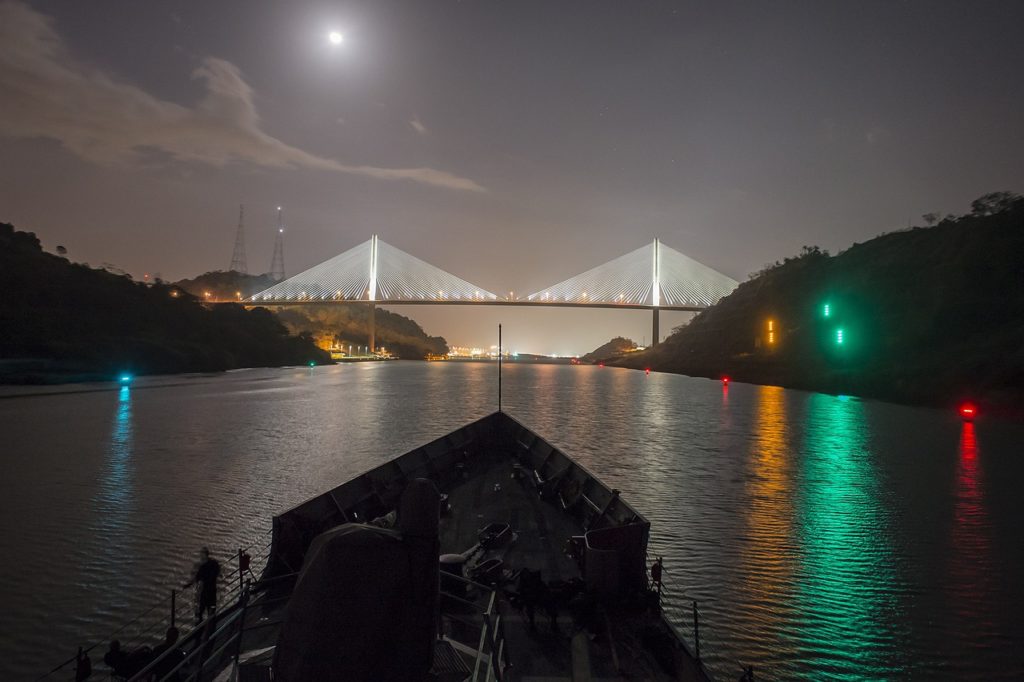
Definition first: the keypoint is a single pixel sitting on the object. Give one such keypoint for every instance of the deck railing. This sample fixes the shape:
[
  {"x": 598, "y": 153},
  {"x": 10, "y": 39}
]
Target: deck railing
[
  {"x": 490, "y": 658},
  {"x": 698, "y": 631},
  {"x": 150, "y": 625}
]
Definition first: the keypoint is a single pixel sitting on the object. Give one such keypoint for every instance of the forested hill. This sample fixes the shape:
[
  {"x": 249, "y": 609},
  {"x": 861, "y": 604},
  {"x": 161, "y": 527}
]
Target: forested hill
[
  {"x": 930, "y": 315},
  {"x": 62, "y": 321},
  {"x": 610, "y": 351},
  {"x": 330, "y": 324}
]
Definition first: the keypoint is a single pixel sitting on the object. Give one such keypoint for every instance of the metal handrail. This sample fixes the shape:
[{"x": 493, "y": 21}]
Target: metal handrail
[
  {"x": 695, "y": 627},
  {"x": 229, "y": 596},
  {"x": 237, "y": 615}
]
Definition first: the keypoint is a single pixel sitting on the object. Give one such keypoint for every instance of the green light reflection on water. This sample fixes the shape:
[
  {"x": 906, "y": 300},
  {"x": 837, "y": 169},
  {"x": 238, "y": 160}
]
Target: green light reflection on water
[{"x": 846, "y": 566}]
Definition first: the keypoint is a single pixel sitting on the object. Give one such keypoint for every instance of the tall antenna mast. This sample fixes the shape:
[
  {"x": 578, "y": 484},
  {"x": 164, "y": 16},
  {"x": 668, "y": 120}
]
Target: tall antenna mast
[
  {"x": 277, "y": 262},
  {"x": 238, "y": 257}
]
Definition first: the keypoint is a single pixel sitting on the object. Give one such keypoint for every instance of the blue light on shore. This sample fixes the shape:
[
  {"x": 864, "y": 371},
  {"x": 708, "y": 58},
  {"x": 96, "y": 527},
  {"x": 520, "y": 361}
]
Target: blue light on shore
[{"x": 126, "y": 378}]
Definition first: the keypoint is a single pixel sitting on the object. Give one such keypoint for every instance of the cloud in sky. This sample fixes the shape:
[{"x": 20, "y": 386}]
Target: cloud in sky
[
  {"x": 47, "y": 93},
  {"x": 418, "y": 126}
]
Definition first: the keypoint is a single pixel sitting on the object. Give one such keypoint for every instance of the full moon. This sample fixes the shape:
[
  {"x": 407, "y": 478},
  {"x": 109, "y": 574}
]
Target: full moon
[{"x": 335, "y": 38}]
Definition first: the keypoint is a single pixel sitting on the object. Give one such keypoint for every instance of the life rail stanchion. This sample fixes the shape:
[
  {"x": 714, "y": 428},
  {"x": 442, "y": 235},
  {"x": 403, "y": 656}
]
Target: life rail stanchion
[{"x": 696, "y": 631}]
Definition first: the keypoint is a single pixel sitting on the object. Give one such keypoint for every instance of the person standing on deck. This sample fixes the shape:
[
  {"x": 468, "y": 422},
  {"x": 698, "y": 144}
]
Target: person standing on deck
[{"x": 205, "y": 579}]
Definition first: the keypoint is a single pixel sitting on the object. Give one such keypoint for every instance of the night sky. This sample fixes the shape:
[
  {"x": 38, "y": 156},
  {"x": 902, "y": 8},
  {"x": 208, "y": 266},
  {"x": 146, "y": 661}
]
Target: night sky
[{"x": 511, "y": 143}]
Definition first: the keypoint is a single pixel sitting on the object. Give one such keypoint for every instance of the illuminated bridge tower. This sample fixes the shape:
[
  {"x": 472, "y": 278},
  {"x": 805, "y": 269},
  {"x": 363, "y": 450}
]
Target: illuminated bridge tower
[
  {"x": 656, "y": 293},
  {"x": 653, "y": 277},
  {"x": 370, "y": 273},
  {"x": 277, "y": 262},
  {"x": 372, "y": 295}
]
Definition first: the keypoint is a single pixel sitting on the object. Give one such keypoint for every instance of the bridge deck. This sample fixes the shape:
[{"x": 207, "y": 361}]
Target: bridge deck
[{"x": 525, "y": 304}]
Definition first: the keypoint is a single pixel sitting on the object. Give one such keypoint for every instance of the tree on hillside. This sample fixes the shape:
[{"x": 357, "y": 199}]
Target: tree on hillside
[{"x": 993, "y": 203}]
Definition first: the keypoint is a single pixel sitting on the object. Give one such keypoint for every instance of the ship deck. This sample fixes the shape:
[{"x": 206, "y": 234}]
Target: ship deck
[
  {"x": 613, "y": 650},
  {"x": 493, "y": 472}
]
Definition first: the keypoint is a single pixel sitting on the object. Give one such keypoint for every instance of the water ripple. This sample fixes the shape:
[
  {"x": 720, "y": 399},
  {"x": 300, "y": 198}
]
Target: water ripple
[{"x": 822, "y": 537}]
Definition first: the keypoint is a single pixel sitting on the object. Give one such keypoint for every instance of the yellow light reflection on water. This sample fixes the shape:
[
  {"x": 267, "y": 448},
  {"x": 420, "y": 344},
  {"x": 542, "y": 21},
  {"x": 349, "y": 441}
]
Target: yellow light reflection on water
[{"x": 767, "y": 554}]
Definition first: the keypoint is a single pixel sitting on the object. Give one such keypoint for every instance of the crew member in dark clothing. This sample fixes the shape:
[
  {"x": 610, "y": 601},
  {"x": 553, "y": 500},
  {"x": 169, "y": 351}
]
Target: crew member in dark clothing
[
  {"x": 205, "y": 580},
  {"x": 123, "y": 663},
  {"x": 115, "y": 658},
  {"x": 173, "y": 657}
]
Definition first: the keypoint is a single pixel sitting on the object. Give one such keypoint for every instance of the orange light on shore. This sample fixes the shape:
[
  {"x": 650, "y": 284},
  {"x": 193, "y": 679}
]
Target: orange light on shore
[{"x": 968, "y": 411}]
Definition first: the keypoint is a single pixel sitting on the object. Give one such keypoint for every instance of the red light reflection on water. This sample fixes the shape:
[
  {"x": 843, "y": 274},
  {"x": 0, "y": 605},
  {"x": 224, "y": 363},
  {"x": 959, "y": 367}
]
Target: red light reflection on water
[{"x": 970, "y": 558}]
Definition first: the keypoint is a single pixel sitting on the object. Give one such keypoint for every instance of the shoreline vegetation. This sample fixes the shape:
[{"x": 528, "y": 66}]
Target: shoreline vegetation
[
  {"x": 64, "y": 322},
  {"x": 928, "y": 316}
]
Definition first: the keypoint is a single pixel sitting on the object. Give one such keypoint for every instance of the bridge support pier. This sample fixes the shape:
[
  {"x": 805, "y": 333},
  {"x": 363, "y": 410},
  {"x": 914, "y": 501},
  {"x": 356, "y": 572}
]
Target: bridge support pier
[
  {"x": 373, "y": 327},
  {"x": 655, "y": 331}
]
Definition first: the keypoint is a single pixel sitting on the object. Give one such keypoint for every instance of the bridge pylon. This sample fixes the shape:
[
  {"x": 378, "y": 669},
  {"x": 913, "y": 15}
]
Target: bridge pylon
[{"x": 373, "y": 327}]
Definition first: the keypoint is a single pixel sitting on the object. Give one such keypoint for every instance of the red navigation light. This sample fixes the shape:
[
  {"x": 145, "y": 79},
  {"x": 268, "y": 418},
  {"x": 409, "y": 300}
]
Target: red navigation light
[
  {"x": 648, "y": 370},
  {"x": 968, "y": 411},
  {"x": 600, "y": 364},
  {"x": 725, "y": 380}
]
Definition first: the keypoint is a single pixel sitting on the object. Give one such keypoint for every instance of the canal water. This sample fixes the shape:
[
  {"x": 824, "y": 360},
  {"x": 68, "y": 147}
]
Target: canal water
[{"x": 822, "y": 537}]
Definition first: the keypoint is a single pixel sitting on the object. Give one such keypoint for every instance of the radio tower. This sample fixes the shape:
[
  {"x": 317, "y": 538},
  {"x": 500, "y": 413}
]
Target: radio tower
[
  {"x": 277, "y": 262},
  {"x": 238, "y": 257}
]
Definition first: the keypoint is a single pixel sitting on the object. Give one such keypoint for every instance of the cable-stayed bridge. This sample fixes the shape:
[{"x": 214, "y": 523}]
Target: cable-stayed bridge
[{"x": 654, "y": 277}]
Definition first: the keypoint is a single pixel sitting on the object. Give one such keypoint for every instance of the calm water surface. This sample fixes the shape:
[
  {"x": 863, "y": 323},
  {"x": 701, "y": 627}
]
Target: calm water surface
[{"x": 823, "y": 537}]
